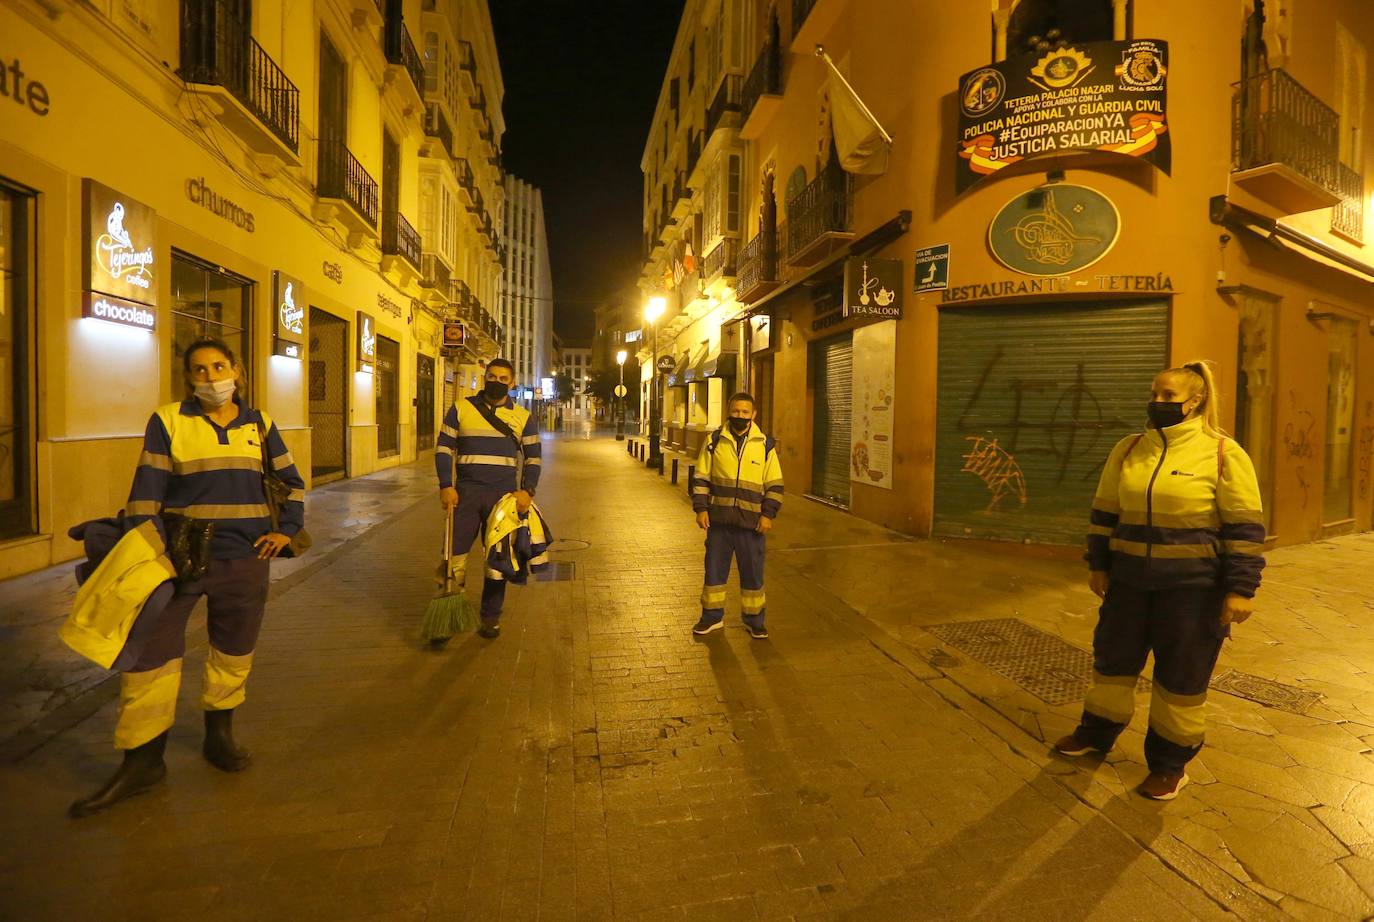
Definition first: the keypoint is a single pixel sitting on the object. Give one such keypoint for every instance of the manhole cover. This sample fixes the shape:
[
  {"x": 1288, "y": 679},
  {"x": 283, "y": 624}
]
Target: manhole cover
[
  {"x": 364, "y": 486},
  {"x": 1266, "y": 691},
  {"x": 1044, "y": 665},
  {"x": 570, "y": 544},
  {"x": 559, "y": 571}
]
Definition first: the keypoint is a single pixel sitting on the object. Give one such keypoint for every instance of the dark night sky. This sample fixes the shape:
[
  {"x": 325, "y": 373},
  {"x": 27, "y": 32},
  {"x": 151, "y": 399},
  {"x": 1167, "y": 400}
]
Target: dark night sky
[{"x": 581, "y": 83}]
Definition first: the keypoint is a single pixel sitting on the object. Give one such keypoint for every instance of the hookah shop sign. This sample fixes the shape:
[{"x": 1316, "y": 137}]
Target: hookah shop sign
[{"x": 1098, "y": 96}]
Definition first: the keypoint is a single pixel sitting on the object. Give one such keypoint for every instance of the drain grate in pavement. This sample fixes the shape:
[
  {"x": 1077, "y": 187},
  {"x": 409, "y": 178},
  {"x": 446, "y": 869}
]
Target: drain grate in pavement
[
  {"x": 559, "y": 571},
  {"x": 1044, "y": 665},
  {"x": 1266, "y": 691}
]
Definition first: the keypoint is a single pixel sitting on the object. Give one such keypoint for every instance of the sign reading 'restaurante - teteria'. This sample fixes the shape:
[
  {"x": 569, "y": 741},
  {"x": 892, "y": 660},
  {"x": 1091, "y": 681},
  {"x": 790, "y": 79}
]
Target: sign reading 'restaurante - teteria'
[
  {"x": 120, "y": 265},
  {"x": 1099, "y": 96}
]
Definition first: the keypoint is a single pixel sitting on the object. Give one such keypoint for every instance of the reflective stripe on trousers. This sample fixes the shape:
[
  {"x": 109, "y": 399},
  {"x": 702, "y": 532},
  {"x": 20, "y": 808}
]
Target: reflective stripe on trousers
[{"x": 724, "y": 543}]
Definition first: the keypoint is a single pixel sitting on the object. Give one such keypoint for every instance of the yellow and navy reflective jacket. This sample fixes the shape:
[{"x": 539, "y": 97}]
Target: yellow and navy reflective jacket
[
  {"x": 193, "y": 467},
  {"x": 737, "y": 480},
  {"x": 111, "y": 598},
  {"x": 1178, "y": 507},
  {"x": 484, "y": 456},
  {"x": 516, "y": 545}
]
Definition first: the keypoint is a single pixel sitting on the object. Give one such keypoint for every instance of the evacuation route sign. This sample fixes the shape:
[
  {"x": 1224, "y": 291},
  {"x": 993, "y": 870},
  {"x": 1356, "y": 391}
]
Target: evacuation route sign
[{"x": 932, "y": 268}]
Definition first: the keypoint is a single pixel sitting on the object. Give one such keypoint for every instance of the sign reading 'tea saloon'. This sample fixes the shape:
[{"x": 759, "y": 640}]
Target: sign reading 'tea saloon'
[
  {"x": 367, "y": 342},
  {"x": 1098, "y": 96},
  {"x": 1054, "y": 230},
  {"x": 872, "y": 287},
  {"x": 120, "y": 259},
  {"x": 288, "y": 294}
]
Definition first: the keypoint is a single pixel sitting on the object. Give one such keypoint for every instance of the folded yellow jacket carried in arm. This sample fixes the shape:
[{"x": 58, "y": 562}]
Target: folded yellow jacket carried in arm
[{"x": 109, "y": 602}]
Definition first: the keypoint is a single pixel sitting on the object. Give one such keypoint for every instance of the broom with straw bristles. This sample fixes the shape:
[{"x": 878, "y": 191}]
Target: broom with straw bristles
[{"x": 450, "y": 612}]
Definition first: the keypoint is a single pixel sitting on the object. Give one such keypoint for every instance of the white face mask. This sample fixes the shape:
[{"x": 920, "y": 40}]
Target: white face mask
[{"x": 215, "y": 393}]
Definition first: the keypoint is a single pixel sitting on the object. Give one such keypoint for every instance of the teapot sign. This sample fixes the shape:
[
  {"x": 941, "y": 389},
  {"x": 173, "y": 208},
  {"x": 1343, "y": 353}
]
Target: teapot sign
[
  {"x": 289, "y": 330},
  {"x": 873, "y": 287}
]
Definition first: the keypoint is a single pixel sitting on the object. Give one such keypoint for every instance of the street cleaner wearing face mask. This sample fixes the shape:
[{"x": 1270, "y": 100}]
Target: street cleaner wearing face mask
[
  {"x": 478, "y": 462},
  {"x": 1175, "y": 550},
  {"x": 736, "y": 495},
  {"x": 202, "y": 463}
]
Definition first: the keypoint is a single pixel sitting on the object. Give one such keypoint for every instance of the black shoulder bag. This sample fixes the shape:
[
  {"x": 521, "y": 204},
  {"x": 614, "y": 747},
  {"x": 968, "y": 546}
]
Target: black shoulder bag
[
  {"x": 277, "y": 492},
  {"x": 500, "y": 426}
]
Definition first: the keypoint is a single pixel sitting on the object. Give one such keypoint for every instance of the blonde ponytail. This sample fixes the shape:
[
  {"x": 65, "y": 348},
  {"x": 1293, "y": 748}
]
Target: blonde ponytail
[{"x": 1201, "y": 381}]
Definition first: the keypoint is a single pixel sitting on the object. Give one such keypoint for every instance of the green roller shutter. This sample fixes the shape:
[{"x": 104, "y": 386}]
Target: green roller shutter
[
  {"x": 1031, "y": 400},
  {"x": 833, "y": 361}
]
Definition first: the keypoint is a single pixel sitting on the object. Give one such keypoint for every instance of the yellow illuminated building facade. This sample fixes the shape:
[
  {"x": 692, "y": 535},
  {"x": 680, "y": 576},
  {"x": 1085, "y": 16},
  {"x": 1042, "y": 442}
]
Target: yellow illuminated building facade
[
  {"x": 948, "y": 333},
  {"x": 319, "y": 184}
]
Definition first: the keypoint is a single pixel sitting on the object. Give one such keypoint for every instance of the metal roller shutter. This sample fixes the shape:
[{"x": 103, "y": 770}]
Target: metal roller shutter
[
  {"x": 1031, "y": 400},
  {"x": 833, "y": 361}
]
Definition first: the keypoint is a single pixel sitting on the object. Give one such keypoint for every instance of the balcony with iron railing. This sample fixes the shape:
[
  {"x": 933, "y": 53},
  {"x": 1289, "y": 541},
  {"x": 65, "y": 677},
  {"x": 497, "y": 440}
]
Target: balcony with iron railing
[
  {"x": 1284, "y": 143},
  {"x": 721, "y": 262},
  {"x": 725, "y": 105},
  {"x": 1347, "y": 216},
  {"x": 467, "y": 64},
  {"x": 761, "y": 97},
  {"x": 681, "y": 197},
  {"x": 478, "y": 206},
  {"x": 342, "y": 178},
  {"x": 399, "y": 238},
  {"x": 401, "y": 52},
  {"x": 467, "y": 181},
  {"x": 438, "y": 130},
  {"x": 757, "y": 266},
  {"x": 695, "y": 143},
  {"x": 436, "y": 277},
  {"x": 218, "y": 50},
  {"x": 820, "y": 217}
]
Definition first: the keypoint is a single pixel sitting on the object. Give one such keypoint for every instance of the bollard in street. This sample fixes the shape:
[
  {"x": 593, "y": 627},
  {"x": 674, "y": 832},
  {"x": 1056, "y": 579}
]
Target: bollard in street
[{"x": 674, "y": 480}]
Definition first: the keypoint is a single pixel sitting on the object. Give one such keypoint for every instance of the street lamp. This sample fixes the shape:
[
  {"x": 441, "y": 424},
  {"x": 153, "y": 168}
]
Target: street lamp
[
  {"x": 652, "y": 311},
  {"x": 620, "y": 397}
]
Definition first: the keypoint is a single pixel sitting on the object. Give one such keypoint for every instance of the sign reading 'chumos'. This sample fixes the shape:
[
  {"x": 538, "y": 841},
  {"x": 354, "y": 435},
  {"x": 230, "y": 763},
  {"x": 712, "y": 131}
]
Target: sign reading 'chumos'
[{"x": 1099, "y": 96}]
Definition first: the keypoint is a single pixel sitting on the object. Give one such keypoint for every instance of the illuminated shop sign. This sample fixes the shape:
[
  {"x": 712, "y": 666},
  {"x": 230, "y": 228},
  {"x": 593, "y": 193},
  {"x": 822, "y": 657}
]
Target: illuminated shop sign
[
  {"x": 288, "y": 296},
  {"x": 1054, "y": 230},
  {"x": 367, "y": 342},
  {"x": 117, "y": 310},
  {"x": 200, "y": 193},
  {"x": 455, "y": 334},
  {"x": 119, "y": 264},
  {"x": 872, "y": 287}
]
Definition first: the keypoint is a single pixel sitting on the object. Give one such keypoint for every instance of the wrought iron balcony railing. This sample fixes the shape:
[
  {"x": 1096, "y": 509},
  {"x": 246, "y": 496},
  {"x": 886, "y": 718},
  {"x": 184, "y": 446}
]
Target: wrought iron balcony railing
[
  {"x": 465, "y": 176},
  {"x": 466, "y": 59},
  {"x": 695, "y": 142},
  {"x": 400, "y": 49},
  {"x": 1347, "y": 217},
  {"x": 343, "y": 177},
  {"x": 434, "y": 274},
  {"x": 757, "y": 264},
  {"x": 727, "y": 101},
  {"x": 399, "y": 238},
  {"x": 721, "y": 261},
  {"x": 437, "y": 126},
  {"x": 764, "y": 79},
  {"x": 825, "y": 206},
  {"x": 681, "y": 192},
  {"x": 218, "y": 49},
  {"x": 1275, "y": 119},
  {"x": 479, "y": 205},
  {"x": 462, "y": 299}
]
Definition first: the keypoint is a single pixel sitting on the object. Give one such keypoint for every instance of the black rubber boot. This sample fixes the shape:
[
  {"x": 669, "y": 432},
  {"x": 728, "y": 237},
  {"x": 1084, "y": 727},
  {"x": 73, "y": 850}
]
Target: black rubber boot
[
  {"x": 220, "y": 749},
  {"x": 141, "y": 770}
]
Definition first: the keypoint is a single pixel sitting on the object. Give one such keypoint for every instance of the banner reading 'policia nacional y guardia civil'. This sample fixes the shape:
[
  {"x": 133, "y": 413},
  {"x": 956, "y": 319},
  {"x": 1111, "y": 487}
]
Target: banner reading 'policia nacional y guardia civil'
[{"x": 1103, "y": 96}]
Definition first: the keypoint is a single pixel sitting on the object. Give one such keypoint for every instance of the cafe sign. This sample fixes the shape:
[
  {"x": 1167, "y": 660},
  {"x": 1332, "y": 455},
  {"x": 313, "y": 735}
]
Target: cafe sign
[
  {"x": 288, "y": 294},
  {"x": 1095, "y": 96},
  {"x": 1054, "y": 230},
  {"x": 455, "y": 334},
  {"x": 120, "y": 258},
  {"x": 872, "y": 287},
  {"x": 367, "y": 342}
]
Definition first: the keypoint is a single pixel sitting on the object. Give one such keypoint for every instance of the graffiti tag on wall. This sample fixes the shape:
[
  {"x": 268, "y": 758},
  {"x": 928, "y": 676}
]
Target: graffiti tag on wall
[
  {"x": 1297, "y": 434},
  {"x": 998, "y": 470}
]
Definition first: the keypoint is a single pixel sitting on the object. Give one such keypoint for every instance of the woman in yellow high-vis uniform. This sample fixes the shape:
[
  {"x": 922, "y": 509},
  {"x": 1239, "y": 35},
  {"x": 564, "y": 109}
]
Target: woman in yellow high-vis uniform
[
  {"x": 1175, "y": 551},
  {"x": 203, "y": 459}
]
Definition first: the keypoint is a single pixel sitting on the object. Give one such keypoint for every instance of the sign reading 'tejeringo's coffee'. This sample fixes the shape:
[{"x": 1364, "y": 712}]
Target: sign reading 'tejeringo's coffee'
[
  {"x": 120, "y": 258},
  {"x": 1098, "y": 96}
]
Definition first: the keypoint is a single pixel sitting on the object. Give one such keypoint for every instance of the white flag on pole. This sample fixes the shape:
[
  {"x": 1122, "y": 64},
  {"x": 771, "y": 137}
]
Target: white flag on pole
[{"x": 862, "y": 144}]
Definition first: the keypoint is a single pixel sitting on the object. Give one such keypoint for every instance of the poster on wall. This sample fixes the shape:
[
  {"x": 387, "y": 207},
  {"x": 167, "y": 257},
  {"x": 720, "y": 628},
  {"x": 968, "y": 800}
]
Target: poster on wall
[
  {"x": 875, "y": 363},
  {"x": 1096, "y": 96}
]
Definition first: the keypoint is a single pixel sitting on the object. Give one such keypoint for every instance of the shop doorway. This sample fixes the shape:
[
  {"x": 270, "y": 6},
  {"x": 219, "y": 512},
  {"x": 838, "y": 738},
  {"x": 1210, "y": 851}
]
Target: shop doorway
[
  {"x": 208, "y": 301},
  {"x": 1031, "y": 398},
  {"x": 762, "y": 386},
  {"x": 328, "y": 397},
  {"x": 388, "y": 397},
  {"x": 424, "y": 403},
  {"x": 832, "y": 363},
  {"x": 17, "y": 241}
]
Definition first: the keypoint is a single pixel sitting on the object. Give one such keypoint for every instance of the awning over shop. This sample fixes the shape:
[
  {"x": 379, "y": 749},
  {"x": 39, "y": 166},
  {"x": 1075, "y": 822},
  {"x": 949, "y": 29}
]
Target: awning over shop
[
  {"x": 1283, "y": 237},
  {"x": 721, "y": 365},
  {"x": 678, "y": 376}
]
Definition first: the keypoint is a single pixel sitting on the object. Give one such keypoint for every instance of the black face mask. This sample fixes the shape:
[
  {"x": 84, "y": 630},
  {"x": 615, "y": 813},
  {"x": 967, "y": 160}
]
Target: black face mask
[
  {"x": 495, "y": 390},
  {"x": 739, "y": 426},
  {"x": 1163, "y": 415}
]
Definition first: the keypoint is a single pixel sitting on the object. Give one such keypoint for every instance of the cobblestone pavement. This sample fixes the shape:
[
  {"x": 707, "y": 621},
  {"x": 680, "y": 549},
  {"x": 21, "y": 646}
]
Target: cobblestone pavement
[{"x": 595, "y": 762}]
